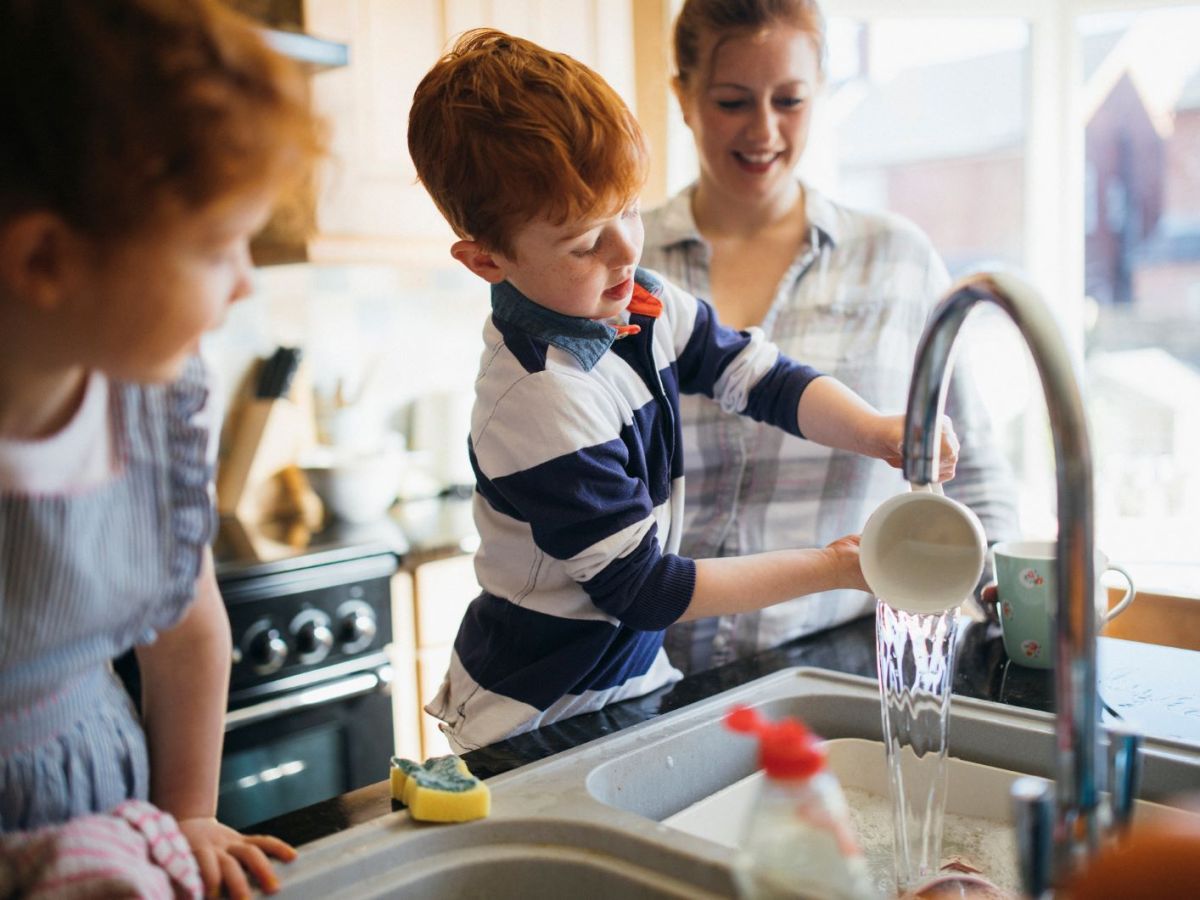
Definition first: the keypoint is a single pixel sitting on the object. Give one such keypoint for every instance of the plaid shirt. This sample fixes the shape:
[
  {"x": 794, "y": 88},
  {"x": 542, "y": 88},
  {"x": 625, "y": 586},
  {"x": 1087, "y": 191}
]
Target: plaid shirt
[{"x": 853, "y": 304}]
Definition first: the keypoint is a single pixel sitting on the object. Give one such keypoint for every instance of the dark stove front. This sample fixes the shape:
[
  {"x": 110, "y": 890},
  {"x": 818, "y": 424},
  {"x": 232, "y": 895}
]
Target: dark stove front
[{"x": 310, "y": 705}]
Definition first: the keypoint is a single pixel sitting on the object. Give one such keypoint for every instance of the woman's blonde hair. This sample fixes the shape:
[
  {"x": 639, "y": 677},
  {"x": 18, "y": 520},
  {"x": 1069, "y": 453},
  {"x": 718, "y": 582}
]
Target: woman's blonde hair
[{"x": 731, "y": 18}]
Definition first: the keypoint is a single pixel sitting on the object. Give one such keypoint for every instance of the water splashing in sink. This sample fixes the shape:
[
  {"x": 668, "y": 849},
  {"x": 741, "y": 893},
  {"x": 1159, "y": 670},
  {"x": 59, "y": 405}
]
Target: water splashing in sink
[{"x": 915, "y": 654}]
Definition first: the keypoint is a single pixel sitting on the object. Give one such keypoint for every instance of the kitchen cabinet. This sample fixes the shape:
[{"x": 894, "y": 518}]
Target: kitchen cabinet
[
  {"x": 1155, "y": 618},
  {"x": 443, "y": 589},
  {"x": 406, "y": 705},
  {"x": 366, "y": 204}
]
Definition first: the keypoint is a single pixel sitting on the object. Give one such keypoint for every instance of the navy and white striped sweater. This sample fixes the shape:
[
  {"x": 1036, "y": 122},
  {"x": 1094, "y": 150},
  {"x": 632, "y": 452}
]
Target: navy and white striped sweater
[{"x": 575, "y": 443}]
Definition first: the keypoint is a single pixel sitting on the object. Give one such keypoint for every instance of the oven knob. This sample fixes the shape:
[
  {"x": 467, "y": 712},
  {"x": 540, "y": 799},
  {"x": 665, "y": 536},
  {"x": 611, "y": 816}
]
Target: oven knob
[
  {"x": 356, "y": 625},
  {"x": 312, "y": 635},
  {"x": 265, "y": 648}
]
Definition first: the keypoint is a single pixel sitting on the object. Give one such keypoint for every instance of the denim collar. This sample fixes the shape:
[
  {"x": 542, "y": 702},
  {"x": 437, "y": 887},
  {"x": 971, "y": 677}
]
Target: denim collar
[{"x": 585, "y": 339}]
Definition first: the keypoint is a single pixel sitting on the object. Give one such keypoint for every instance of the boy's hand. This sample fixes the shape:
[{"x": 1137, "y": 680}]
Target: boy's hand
[
  {"x": 890, "y": 445},
  {"x": 224, "y": 856},
  {"x": 847, "y": 573}
]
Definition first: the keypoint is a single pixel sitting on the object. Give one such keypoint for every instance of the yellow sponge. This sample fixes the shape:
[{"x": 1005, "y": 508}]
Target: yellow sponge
[{"x": 441, "y": 789}]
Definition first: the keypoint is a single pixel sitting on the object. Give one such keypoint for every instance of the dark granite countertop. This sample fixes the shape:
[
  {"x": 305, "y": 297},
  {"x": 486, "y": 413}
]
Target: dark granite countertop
[
  {"x": 1146, "y": 684},
  {"x": 415, "y": 531}
]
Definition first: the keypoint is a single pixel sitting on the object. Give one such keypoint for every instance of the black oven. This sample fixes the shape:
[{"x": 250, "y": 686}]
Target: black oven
[
  {"x": 319, "y": 741},
  {"x": 310, "y": 690},
  {"x": 310, "y": 705}
]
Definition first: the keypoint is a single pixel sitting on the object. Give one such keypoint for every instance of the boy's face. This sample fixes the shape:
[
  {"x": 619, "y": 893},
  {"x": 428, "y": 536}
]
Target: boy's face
[{"x": 580, "y": 268}]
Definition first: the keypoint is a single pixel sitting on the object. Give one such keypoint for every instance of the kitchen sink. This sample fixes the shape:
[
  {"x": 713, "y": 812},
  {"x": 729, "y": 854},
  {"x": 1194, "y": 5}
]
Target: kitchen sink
[
  {"x": 501, "y": 857},
  {"x": 651, "y": 812}
]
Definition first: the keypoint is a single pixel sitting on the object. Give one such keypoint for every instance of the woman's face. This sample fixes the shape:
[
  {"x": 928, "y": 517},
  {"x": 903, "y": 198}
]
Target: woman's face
[{"x": 750, "y": 116}]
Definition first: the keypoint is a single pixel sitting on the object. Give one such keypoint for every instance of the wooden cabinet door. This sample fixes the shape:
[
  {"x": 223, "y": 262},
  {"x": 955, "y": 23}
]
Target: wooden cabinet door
[
  {"x": 369, "y": 204},
  {"x": 598, "y": 33},
  {"x": 443, "y": 591}
]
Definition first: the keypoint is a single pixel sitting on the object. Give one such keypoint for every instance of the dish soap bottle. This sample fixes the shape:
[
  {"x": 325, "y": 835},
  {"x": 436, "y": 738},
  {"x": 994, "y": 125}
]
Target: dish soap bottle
[{"x": 798, "y": 840}]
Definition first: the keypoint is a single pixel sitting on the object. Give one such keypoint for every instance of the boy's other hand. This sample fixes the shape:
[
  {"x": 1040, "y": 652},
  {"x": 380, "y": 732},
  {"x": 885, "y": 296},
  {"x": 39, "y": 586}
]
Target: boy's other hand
[
  {"x": 891, "y": 445},
  {"x": 225, "y": 856},
  {"x": 847, "y": 572}
]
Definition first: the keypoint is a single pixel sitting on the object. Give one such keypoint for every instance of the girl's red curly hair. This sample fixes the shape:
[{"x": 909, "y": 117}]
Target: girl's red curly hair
[{"x": 116, "y": 110}]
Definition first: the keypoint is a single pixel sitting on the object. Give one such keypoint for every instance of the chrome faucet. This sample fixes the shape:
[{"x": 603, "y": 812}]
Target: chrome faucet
[{"x": 1076, "y": 811}]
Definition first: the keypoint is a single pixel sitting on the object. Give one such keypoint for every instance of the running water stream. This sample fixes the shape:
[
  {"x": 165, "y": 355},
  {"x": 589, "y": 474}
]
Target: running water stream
[{"x": 915, "y": 653}]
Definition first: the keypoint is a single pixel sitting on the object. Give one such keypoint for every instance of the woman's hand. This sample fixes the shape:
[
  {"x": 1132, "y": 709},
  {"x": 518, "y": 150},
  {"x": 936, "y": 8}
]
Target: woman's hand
[
  {"x": 889, "y": 445},
  {"x": 225, "y": 856},
  {"x": 843, "y": 555}
]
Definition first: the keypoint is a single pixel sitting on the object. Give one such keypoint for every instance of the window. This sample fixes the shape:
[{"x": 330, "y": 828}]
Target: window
[
  {"x": 904, "y": 129},
  {"x": 1142, "y": 277},
  {"x": 909, "y": 131},
  {"x": 1062, "y": 138}
]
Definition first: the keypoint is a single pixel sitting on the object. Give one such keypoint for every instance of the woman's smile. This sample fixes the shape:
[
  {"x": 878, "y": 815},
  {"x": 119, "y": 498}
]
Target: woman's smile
[{"x": 756, "y": 163}]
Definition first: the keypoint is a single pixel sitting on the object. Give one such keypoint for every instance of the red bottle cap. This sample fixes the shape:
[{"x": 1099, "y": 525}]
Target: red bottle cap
[{"x": 786, "y": 749}]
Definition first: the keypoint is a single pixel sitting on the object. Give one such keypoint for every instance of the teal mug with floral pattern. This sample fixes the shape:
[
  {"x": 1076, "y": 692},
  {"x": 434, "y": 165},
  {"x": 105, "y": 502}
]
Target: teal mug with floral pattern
[{"x": 1026, "y": 593}]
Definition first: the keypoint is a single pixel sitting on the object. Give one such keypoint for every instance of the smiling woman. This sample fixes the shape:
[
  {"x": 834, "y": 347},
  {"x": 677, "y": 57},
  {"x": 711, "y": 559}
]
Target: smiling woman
[
  {"x": 844, "y": 289},
  {"x": 1079, "y": 171}
]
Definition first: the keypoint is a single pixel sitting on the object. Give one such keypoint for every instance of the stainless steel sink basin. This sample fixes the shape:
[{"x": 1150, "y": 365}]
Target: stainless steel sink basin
[
  {"x": 501, "y": 857},
  {"x": 590, "y": 822}
]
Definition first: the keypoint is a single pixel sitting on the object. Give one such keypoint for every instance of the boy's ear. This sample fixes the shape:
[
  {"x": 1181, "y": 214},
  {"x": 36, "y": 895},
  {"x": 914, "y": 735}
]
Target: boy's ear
[
  {"x": 36, "y": 253},
  {"x": 480, "y": 261}
]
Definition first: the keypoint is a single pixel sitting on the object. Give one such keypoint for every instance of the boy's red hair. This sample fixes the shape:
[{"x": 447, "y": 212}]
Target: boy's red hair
[
  {"x": 114, "y": 110},
  {"x": 503, "y": 131}
]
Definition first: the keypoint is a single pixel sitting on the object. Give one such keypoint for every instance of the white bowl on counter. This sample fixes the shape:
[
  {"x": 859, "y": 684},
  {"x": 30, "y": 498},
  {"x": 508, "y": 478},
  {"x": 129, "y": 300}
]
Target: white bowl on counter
[{"x": 359, "y": 488}]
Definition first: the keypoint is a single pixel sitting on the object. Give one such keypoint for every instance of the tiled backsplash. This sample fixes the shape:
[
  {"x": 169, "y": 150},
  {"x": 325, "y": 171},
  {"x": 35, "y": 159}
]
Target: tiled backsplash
[{"x": 387, "y": 335}]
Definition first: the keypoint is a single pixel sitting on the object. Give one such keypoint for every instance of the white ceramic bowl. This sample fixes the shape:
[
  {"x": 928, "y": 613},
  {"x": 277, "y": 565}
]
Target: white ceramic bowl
[
  {"x": 360, "y": 488},
  {"x": 922, "y": 552}
]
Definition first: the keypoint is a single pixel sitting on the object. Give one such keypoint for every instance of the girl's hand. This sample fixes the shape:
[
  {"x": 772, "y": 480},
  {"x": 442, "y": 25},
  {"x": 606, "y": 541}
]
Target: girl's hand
[
  {"x": 224, "y": 856},
  {"x": 890, "y": 445},
  {"x": 847, "y": 572}
]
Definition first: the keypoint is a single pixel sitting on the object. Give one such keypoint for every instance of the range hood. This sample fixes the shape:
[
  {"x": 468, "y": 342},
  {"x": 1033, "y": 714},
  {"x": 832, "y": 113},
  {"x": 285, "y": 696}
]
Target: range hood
[{"x": 316, "y": 54}]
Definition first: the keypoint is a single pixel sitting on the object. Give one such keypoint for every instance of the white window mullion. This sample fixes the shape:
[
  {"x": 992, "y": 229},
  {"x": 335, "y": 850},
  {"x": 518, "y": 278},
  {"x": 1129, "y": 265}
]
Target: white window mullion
[{"x": 1054, "y": 171}]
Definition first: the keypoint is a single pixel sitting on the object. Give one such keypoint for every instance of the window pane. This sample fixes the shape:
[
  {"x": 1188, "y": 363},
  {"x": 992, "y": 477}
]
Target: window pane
[
  {"x": 928, "y": 117},
  {"x": 905, "y": 130},
  {"x": 1142, "y": 275},
  {"x": 908, "y": 131}
]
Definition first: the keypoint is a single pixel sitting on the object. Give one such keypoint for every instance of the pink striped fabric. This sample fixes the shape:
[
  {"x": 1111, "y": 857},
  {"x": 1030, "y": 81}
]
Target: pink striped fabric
[{"x": 136, "y": 850}]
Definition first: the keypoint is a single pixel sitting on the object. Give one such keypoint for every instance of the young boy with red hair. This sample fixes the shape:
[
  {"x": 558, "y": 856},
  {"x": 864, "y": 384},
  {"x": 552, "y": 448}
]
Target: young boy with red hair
[{"x": 537, "y": 165}]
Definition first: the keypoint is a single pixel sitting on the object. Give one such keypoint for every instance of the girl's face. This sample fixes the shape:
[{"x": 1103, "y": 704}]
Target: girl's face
[
  {"x": 147, "y": 299},
  {"x": 750, "y": 116}
]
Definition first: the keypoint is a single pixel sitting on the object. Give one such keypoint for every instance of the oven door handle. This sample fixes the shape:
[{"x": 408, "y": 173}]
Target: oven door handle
[{"x": 341, "y": 689}]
